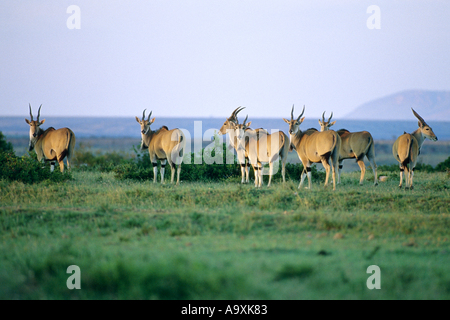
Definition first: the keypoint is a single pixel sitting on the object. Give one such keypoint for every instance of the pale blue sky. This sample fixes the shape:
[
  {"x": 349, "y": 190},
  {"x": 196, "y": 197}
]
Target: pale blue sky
[{"x": 206, "y": 57}]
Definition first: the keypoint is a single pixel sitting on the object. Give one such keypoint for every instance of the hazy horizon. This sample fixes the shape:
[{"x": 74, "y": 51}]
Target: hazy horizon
[{"x": 128, "y": 127}]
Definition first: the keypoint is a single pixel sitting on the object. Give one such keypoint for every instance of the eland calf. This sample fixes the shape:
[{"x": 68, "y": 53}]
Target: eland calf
[
  {"x": 406, "y": 149},
  {"x": 353, "y": 145},
  {"x": 164, "y": 145},
  {"x": 313, "y": 146},
  {"x": 51, "y": 144}
]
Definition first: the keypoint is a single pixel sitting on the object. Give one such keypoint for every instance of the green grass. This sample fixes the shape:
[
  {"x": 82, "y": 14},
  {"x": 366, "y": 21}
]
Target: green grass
[{"x": 199, "y": 240}]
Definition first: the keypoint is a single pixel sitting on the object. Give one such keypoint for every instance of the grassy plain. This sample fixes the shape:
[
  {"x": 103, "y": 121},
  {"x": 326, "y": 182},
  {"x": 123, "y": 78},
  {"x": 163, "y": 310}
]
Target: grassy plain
[{"x": 139, "y": 240}]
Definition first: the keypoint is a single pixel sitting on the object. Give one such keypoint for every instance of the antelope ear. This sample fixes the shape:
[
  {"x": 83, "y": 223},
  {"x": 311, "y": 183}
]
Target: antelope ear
[
  {"x": 137, "y": 119},
  {"x": 301, "y": 120},
  {"x": 151, "y": 121},
  {"x": 42, "y": 122},
  {"x": 332, "y": 124},
  {"x": 248, "y": 124},
  {"x": 420, "y": 124},
  {"x": 27, "y": 121},
  {"x": 287, "y": 121}
]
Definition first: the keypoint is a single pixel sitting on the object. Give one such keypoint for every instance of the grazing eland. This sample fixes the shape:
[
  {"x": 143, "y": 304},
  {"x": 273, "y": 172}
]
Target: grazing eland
[
  {"x": 406, "y": 149},
  {"x": 262, "y": 148},
  {"x": 51, "y": 144},
  {"x": 313, "y": 146},
  {"x": 164, "y": 145},
  {"x": 353, "y": 145},
  {"x": 230, "y": 126}
]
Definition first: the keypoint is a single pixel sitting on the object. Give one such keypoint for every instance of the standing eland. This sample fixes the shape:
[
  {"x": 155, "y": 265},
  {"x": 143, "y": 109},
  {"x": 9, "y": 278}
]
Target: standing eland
[
  {"x": 50, "y": 144},
  {"x": 406, "y": 149},
  {"x": 231, "y": 126},
  {"x": 262, "y": 148},
  {"x": 313, "y": 146},
  {"x": 353, "y": 145},
  {"x": 164, "y": 145}
]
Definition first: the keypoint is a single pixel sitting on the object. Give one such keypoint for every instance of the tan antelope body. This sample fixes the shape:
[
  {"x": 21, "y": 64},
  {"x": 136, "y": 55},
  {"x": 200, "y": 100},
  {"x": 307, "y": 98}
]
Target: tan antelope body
[
  {"x": 263, "y": 148},
  {"x": 406, "y": 149},
  {"x": 51, "y": 144},
  {"x": 313, "y": 146},
  {"x": 164, "y": 145},
  {"x": 353, "y": 145},
  {"x": 231, "y": 126}
]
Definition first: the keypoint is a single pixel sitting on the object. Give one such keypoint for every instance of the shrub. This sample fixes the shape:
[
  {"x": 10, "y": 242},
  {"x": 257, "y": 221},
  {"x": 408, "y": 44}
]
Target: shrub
[
  {"x": 395, "y": 168},
  {"x": 27, "y": 169},
  {"x": 443, "y": 166},
  {"x": 4, "y": 145},
  {"x": 388, "y": 168},
  {"x": 86, "y": 160},
  {"x": 142, "y": 169}
]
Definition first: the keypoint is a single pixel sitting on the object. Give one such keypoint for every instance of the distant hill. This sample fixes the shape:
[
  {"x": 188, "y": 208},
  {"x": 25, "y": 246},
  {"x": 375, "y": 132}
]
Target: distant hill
[{"x": 431, "y": 105}]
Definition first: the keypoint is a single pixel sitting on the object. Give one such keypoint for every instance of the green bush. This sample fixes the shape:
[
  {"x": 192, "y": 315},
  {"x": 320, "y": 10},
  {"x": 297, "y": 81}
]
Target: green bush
[
  {"x": 443, "y": 166},
  {"x": 141, "y": 168},
  {"x": 86, "y": 160},
  {"x": 388, "y": 168},
  {"x": 27, "y": 169},
  {"x": 395, "y": 168},
  {"x": 440, "y": 167},
  {"x": 4, "y": 145}
]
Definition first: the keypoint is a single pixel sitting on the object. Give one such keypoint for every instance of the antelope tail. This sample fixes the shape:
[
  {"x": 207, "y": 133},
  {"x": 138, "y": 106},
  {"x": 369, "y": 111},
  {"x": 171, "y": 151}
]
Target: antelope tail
[
  {"x": 336, "y": 148},
  {"x": 282, "y": 141},
  {"x": 408, "y": 152},
  {"x": 366, "y": 150},
  {"x": 70, "y": 144},
  {"x": 180, "y": 141},
  {"x": 178, "y": 150}
]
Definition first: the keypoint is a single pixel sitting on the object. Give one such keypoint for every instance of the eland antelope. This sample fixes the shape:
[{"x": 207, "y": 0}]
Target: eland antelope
[
  {"x": 164, "y": 145},
  {"x": 262, "y": 148},
  {"x": 353, "y": 145},
  {"x": 313, "y": 146},
  {"x": 231, "y": 126},
  {"x": 50, "y": 144},
  {"x": 406, "y": 149}
]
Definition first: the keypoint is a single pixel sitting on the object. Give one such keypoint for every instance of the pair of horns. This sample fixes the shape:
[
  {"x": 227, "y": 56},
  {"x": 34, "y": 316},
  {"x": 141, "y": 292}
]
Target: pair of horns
[
  {"x": 39, "y": 113},
  {"x": 235, "y": 112},
  {"x": 143, "y": 115},
  {"x": 292, "y": 113},
  {"x": 419, "y": 117},
  {"x": 323, "y": 117},
  {"x": 245, "y": 120}
]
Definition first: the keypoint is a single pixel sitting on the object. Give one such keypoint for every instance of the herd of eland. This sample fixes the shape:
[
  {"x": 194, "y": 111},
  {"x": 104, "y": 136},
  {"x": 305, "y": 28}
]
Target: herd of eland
[{"x": 254, "y": 147}]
